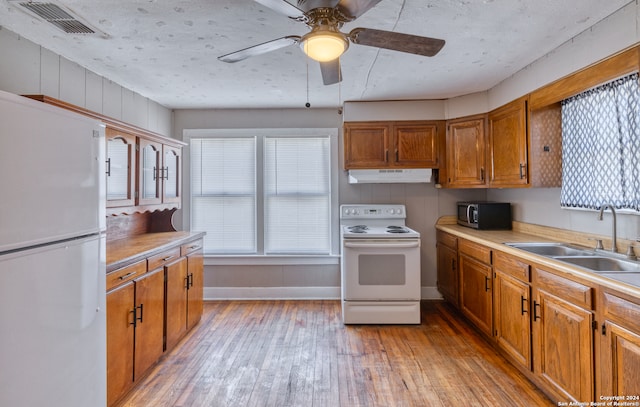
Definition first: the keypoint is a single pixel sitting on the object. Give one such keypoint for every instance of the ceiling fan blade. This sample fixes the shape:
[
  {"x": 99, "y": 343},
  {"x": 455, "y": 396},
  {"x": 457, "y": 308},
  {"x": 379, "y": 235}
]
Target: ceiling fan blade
[
  {"x": 283, "y": 7},
  {"x": 412, "y": 44},
  {"x": 331, "y": 72},
  {"x": 356, "y": 8},
  {"x": 306, "y": 5},
  {"x": 260, "y": 49}
]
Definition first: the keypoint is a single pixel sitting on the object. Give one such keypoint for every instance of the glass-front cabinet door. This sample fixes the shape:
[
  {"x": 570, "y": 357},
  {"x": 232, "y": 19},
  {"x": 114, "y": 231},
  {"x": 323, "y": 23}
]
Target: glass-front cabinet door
[
  {"x": 120, "y": 168},
  {"x": 171, "y": 174},
  {"x": 151, "y": 172}
]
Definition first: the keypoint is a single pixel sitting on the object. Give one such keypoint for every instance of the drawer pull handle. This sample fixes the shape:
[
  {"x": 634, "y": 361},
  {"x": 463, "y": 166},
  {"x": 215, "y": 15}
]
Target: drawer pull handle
[
  {"x": 124, "y": 277},
  {"x": 140, "y": 317},
  {"x": 167, "y": 258},
  {"x": 486, "y": 284},
  {"x": 194, "y": 247},
  {"x": 523, "y": 301},
  {"x": 134, "y": 322},
  {"x": 535, "y": 312}
]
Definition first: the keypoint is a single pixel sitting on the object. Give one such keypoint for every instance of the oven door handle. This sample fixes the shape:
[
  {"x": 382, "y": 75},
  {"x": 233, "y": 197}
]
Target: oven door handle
[{"x": 402, "y": 245}]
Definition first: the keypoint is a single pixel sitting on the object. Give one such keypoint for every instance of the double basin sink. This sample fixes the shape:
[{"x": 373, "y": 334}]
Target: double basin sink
[{"x": 596, "y": 261}]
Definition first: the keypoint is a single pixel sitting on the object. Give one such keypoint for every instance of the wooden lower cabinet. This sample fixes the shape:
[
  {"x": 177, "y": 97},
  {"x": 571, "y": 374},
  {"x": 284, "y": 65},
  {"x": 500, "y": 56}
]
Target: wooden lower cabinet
[
  {"x": 195, "y": 292},
  {"x": 176, "y": 317},
  {"x": 511, "y": 318},
  {"x": 148, "y": 313},
  {"x": 563, "y": 353},
  {"x": 120, "y": 306},
  {"x": 511, "y": 308},
  {"x": 447, "y": 254},
  {"x": 476, "y": 292},
  {"x": 135, "y": 324},
  {"x": 620, "y": 346},
  {"x": 621, "y": 362},
  {"x": 149, "y": 325}
]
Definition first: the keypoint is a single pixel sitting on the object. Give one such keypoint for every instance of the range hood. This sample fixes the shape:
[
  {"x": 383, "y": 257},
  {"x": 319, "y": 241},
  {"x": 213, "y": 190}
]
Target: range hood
[{"x": 387, "y": 176}]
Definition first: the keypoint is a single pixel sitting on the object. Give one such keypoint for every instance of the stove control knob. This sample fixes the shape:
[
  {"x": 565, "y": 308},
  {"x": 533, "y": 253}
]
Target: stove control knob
[{"x": 347, "y": 211}]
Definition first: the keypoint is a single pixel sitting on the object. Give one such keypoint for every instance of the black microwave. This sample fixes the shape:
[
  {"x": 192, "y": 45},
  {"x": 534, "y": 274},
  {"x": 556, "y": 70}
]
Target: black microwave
[{"x": 485, "y": 215}]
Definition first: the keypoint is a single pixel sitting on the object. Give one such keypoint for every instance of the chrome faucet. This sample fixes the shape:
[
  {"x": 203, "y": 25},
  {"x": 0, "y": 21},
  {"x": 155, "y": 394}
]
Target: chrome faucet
[{"x": 614, "y": 243}]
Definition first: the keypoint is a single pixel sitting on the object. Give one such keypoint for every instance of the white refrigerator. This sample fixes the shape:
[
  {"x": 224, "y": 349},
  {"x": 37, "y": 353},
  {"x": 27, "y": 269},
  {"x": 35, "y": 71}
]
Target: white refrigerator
[{"x": 52, "y": 256}]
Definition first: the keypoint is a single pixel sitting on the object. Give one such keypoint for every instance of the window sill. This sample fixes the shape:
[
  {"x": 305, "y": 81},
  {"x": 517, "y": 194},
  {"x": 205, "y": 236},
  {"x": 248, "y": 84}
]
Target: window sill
[{"x": 213, "y": 260}]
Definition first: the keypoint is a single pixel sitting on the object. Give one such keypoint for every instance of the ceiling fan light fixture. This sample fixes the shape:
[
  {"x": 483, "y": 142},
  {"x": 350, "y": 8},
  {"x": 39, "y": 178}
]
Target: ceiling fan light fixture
[{"x": 324, "y": 45}]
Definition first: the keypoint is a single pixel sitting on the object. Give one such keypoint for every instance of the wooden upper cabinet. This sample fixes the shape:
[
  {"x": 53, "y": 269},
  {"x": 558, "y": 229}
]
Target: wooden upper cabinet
[
  {"x": 171, "y": 174},
  {"x": 120, "y": 168},
  {"x": 507, "y": 145},
  {"x": 150, "y": 173},
  {"x": 416, "y": 145},
  {"x": 466, "y": 145},
  {"x": 366, "y": 145},
  {"x": 408, "y": 144}
]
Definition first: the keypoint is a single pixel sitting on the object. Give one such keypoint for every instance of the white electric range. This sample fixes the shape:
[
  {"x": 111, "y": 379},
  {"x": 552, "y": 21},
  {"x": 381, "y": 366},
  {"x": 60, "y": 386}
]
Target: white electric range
[{"x": 380, "y": 267}]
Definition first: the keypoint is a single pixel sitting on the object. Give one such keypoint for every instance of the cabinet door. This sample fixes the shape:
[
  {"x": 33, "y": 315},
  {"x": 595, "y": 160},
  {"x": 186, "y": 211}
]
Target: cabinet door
[
  {"x": 448, "y": 273},
  {"x": 195, "y": 269},
  {"x": 415, "y": 145},
  {"x": 465, "y": 146},
  {"x": 120, "y": 331},
  {"x": 621, "y": 359},
  {"x": 176, "y": 316},
  {"x": 171, "y": 175},
  {"x": 150, "y": 172},
  {"x": 508, "y": 145},
  {"x": 366, "y": 145},
  {"x": 120, "y": 168},
  {"x": 475, "y": 292},
  {"x": 563, "y": 347},
  {"x": 512, "y": 320},
  {"x": 149, "y": 339}
]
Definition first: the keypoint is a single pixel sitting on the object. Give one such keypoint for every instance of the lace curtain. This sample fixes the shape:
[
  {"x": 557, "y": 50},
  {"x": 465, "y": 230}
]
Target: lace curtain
[{"x": 601, "y": 146}]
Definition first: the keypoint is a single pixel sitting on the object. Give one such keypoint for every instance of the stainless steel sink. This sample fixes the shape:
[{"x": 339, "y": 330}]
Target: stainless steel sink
[
  {"x": 600, "y": 264},
  {"x": 552, "y": 249}
]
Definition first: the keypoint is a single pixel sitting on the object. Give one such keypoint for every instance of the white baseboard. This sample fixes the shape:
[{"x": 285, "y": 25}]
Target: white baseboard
[{"x": 289, "y": 293}]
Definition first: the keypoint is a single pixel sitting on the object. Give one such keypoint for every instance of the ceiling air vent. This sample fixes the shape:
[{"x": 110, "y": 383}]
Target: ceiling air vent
[{"x": 58, "y": 15}]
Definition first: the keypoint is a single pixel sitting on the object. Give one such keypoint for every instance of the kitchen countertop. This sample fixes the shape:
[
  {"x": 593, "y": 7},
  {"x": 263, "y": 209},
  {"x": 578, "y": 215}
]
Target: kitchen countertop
[
  {"x": 123, "y": 252},
  {"x": 495, "y": 239}
]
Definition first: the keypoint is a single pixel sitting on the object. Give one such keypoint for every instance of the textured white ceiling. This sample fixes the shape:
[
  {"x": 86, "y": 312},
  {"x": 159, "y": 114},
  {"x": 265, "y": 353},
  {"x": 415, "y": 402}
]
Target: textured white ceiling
[{"x": 167, "y": 50}]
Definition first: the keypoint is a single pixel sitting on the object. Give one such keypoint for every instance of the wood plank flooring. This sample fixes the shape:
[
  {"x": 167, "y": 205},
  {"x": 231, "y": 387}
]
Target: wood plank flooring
[{"x": 298, "y": 353}]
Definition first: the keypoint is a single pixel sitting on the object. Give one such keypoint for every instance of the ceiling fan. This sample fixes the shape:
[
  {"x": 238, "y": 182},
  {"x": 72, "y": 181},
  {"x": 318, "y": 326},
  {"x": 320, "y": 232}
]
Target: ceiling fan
[{"x": 325, "y": 42}]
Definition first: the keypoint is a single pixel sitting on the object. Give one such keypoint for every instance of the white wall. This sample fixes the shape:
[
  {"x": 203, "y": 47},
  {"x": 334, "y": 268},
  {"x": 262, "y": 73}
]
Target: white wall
[{"x": 28, "y": 69}]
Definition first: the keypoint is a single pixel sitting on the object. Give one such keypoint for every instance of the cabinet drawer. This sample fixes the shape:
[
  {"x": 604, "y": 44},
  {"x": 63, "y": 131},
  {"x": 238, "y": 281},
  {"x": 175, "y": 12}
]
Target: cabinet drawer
[
  {"x": 624, "y": 312},
  {"x": 564, "y": 288},
  {"x": 190, "y": 247},
  {"x": 478, "y": 252},
  {"x": 122, "y": 275},
  {"x": 447, "y": 239},
  {"x": 159, "y": 260},
  {"x": 512, "y": 266}
]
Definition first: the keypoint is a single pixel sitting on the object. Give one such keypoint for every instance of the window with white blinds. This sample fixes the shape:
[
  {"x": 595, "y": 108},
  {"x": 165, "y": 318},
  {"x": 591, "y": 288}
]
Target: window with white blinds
[
  {"x": 223, "y": 193},
  {"x": 297, "y": 195},
  {"x": 265, "y": 194}
]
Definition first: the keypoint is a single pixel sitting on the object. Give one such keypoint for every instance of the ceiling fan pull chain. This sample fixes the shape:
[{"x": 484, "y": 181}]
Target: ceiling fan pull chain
[{"x": 307, "y": 105}]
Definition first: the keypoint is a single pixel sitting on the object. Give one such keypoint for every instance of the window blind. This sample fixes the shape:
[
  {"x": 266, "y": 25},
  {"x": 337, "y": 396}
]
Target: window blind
[
  {"x": 297, "y": 190},
  {"x": 223, "y": 193}
]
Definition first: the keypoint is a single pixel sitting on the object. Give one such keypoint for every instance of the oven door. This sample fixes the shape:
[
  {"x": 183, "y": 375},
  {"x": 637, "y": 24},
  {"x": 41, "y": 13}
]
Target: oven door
[{"x": 381, "y": 269}]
